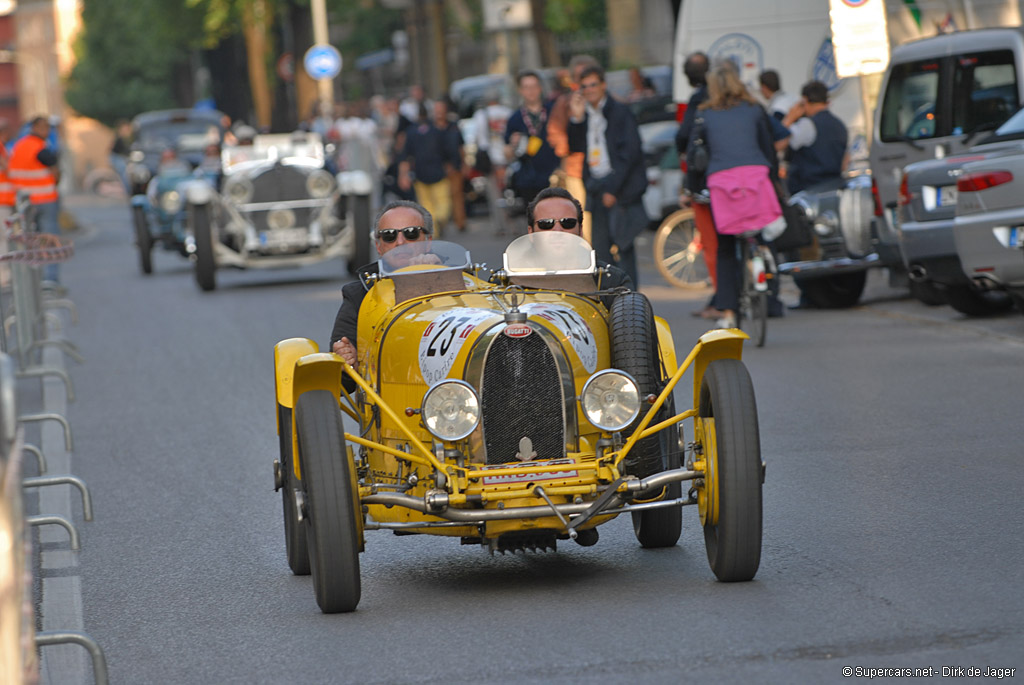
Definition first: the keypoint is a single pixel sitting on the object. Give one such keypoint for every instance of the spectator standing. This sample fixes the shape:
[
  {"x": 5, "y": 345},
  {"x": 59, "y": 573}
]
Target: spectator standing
[
  {"x": 742, "y": 159},
  {"x": 696, "y": 70},
  {"x": 410, "y": 106},
  {"x": 641, "y": 86},
  {"x": 558, "y": 137},
  {"x": 33, "y": 169},
  {"x": 453, "y": 144},
  {"x": 489, "y": 125},
  {"x": 778, "y": 102},
  {"x": 526, "y": 140},
  {"x": 423, "y": 166},
  {"x": 614, "y": 174},
  {"x": 817, "y": 144}
]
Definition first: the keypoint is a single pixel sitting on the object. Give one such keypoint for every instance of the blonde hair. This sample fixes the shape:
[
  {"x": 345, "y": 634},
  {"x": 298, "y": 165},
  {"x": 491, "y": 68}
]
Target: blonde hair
[{"x": 725, "y": 89}]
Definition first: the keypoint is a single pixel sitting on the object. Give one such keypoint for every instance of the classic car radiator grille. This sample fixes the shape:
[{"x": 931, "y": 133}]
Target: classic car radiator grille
[
  {"x": 281, "y": 184},
  {"x": 522, "y": 397}
]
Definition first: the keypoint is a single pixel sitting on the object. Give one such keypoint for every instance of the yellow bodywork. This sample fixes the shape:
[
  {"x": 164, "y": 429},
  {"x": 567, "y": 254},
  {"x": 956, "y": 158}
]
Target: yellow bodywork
[{"x": 395, "y": 369}]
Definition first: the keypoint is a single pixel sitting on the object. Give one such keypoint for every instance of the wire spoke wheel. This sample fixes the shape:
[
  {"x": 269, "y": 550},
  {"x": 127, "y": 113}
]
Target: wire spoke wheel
[{"x": 678, "y": 252}]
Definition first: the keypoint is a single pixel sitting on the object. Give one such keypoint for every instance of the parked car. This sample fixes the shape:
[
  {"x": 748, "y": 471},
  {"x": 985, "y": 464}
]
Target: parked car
[
  {"x": 511, "y": 415},
  {"x": 278, "y": 206},
  {"x": 927, "y": 208},
  {"x": 988, "y": 230},
  {"x": 169, "y": 148},
  {"x": 664, "y": 175},
  {"x": 938, "y": 96}
]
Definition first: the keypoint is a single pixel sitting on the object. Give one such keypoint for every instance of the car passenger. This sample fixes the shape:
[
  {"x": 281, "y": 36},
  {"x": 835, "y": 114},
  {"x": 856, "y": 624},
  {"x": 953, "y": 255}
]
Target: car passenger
[
  {"x": 398, "y": 223},
  {"x": 555, "y": 209}
]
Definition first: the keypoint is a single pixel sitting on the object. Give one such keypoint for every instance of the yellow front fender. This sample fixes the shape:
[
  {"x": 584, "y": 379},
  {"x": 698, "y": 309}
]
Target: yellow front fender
[
  {"x": 666, "y": 347},
  {"x": 317, "y": 371},
  {"x": 726, "y": 343}
]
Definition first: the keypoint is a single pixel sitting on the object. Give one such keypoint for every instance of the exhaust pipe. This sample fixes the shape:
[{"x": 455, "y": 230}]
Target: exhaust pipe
[{"x": 917, "y": 273}]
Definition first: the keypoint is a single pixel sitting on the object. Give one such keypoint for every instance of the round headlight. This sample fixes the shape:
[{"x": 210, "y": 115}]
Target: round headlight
[
  {"x": 451, "y": 410},
  {"x": 170, "y": 201},
  {"x": 239, "y": 190},
  {"x": 280, "y": 218},
  {"x": 138, "y": 173},
  {"x": 611, "y": 400},
  {"x": 319, "y": 184}
]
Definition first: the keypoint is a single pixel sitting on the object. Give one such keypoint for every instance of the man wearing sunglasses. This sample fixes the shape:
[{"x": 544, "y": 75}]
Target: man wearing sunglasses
[
  {"x": 555, "y": 209},
  {"x": 398, "y": 223}
]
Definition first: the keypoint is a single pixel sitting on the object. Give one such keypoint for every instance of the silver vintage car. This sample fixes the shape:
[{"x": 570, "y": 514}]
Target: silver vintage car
[{"x": 276, "y": 205}]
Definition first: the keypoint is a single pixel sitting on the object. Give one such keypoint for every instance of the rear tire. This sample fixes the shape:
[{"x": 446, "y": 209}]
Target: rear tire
[
  {"x": 143, "y": 240},
  {"x": 331, "y": 530},
  {"x": 294, "y": 534},
  {"x": 732, "y": 528},
  {"x": 635, "y": 351},
  {"x": 202, "y": 231},
  {"x": 833, "y": 292},
  {"x": 971, "y": 302},
  {"x": 361, "y": 221}
]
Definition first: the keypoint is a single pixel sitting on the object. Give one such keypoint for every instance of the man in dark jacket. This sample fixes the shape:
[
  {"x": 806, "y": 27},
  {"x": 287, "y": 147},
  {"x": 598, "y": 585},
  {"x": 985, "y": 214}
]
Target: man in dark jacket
[
  {"x": 817, "y": 141},
  {"x": 397, "y": 223},
  {"x": 614, "y": 173}
]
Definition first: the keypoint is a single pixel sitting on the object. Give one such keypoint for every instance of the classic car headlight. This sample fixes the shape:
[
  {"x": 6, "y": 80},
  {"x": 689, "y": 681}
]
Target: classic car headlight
[
  {"x": 451, "y": 410},
  {"x": 610, "y": 400},
  {"x": 138, "y": 173},
  {"x": 170, "y": 202},
  {"x": 320, "y": 184},
  {"x": 280, "y": 218},
  {"x": 238, "y": 189}
]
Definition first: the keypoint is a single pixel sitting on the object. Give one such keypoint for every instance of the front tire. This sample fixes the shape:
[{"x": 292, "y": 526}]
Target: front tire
[
  {"x": 294, "y": 534},
  {"x": 839, "y": 291},
  {"x": 327, "y": 480},
  {"x": 635, "y": 351},
  {"x": 143, "y": 240},
  {"x": 678, "y": 253},
  {"x": 202, "y": 231},
  {"x": 730, "y": 498}
]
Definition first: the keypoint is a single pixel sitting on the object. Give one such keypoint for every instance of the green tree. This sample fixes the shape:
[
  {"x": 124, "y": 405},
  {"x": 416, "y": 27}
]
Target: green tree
[{"x": 127, "y": 55}]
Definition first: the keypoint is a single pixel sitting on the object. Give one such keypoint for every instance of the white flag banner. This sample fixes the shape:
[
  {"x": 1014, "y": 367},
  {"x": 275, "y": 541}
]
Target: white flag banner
[{"x": 859, "y": 36}]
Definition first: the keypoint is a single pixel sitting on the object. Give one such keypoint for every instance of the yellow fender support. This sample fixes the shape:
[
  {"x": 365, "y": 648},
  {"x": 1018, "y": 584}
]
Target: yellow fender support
[
  {"x": 286, "y": 353},
  {"x": 666, "y": 346},
  {"x": 726, "y": 343}
]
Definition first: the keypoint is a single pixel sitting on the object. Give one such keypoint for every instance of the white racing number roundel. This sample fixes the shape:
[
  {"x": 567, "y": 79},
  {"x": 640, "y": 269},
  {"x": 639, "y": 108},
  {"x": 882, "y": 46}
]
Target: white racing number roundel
[
  {"x": 573, "y": 327},
  {"x": 444, "y": 337}
]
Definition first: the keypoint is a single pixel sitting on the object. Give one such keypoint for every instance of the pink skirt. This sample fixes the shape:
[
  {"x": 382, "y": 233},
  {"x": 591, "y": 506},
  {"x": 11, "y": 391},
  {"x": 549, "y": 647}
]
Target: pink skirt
[{"x": 743, "y": 199}]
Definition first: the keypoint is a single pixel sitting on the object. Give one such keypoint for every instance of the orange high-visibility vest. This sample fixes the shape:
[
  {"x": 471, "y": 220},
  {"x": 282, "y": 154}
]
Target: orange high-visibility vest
[
  {"x": 7, "y": 195},
  {"x": 27, "y": 173}
]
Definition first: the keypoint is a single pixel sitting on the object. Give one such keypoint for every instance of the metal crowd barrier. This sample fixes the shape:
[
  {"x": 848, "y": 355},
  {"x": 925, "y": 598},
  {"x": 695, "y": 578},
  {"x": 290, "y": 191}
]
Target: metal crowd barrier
[{"x": 19, "y": 642}]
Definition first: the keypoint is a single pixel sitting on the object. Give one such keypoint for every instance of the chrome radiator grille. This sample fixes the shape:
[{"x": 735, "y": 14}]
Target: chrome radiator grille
[{"x": 522, "y": 397}]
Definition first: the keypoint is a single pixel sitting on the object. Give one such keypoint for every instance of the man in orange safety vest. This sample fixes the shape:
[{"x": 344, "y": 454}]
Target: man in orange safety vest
[{"x": 32, "y": 168}]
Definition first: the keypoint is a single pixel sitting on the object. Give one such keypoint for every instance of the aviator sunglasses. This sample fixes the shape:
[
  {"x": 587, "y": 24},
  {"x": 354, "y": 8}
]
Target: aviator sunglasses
[
  {"x": 411, "y": 233},
  {"x": 568, "y": 223}
]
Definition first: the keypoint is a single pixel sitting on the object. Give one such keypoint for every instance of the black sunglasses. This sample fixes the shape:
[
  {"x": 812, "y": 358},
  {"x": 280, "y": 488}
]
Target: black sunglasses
[
  {"x": 411, "y": 233},
  {"x": 568, "y": 223}
]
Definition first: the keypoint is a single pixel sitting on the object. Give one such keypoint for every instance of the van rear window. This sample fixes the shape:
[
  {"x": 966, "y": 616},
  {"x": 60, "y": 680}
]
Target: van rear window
[
  {"x": 984, "y": 91},
  {"x": 908, "y": 109}
]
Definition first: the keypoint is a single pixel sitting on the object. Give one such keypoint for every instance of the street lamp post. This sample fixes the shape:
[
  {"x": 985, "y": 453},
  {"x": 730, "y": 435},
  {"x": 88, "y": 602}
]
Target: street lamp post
[{"x": 325, "y": 86}]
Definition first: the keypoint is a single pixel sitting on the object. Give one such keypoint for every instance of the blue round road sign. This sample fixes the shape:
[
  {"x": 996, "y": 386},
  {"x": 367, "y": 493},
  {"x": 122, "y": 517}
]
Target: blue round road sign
[{"x": 322, "y": 61}]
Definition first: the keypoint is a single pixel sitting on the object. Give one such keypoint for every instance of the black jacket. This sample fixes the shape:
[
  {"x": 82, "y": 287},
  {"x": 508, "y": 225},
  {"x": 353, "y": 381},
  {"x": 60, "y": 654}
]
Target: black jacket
[{"x": 628, "y": 179}]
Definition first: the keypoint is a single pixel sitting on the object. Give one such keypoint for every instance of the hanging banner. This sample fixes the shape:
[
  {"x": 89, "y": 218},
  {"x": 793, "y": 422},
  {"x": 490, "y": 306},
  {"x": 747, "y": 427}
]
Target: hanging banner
[{"x": 860, "y": 36}]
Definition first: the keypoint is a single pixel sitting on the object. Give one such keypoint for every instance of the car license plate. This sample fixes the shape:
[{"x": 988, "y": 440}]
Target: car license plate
[
  {"x": 1017, "y": 236},
  {"x": 947, "y": 196},
  {"x": 504, "y": 479}
]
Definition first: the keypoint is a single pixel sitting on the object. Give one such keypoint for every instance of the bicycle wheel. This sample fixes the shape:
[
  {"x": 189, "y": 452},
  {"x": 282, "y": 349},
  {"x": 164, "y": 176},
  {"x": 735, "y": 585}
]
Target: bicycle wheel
[
  {"x": 678, "y": 253},
  {"x": 752, "y": 316}
]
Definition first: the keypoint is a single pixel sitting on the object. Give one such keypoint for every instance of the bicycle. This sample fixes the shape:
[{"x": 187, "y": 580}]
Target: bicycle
[
  {"x": 678, "y": 252},
  {"x": 759, "y": 269}
]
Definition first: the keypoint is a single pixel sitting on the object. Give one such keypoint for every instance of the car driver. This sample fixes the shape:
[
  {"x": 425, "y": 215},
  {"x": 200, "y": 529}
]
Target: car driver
[{"x": 398, "y": 223}]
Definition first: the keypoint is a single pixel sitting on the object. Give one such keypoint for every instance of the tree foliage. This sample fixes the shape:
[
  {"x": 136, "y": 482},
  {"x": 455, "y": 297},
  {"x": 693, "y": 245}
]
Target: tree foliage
[
  {"x": 126, "y": 56},
  {"x": 575, "y": 16}
]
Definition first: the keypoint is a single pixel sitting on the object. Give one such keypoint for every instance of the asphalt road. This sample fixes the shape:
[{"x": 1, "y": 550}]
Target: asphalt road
[{"x": 892, "y": 517}]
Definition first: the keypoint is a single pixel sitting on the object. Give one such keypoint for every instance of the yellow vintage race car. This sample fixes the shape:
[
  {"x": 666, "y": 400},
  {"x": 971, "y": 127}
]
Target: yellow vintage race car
[{"x": 511, "y": 413}]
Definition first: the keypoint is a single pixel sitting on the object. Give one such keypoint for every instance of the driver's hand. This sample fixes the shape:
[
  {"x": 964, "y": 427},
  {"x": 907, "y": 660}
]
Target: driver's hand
[
  {"x": 424, "y": 259},
  {"x": 347, "y": 351}
]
